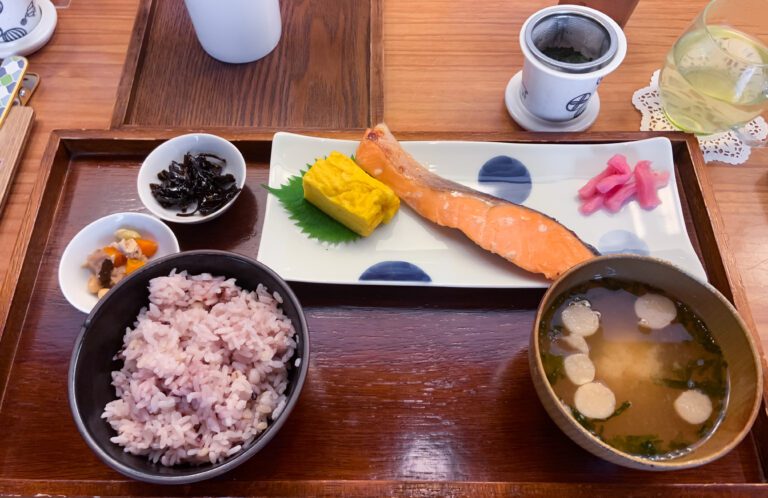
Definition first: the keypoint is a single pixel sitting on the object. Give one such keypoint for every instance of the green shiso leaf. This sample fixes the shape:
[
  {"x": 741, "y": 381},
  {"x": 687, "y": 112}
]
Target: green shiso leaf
[{"x": 310, "y": 220}]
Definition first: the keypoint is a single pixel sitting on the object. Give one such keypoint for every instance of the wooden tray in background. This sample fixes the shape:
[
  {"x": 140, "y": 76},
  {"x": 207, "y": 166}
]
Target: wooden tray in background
[
  {"x": 411, "y": 391},
  {"x": 325, "y": 72}
]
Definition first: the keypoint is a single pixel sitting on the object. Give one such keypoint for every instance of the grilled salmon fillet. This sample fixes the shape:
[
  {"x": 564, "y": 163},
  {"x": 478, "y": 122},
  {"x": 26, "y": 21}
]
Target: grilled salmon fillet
[{"x": 529, "y": 239}]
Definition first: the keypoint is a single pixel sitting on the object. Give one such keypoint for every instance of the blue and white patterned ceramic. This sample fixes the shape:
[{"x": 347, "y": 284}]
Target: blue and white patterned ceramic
[
  {"x": 413, "y": 251},
  {"x": 17, "y": 19}
]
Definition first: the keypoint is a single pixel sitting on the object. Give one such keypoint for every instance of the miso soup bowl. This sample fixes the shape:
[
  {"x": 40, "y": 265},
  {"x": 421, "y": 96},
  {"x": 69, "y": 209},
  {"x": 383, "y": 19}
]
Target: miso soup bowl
[{"x": 728, "y": 329}]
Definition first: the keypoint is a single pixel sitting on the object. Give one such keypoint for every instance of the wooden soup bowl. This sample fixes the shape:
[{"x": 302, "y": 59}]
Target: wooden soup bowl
[{"x": 726, "y": 326}]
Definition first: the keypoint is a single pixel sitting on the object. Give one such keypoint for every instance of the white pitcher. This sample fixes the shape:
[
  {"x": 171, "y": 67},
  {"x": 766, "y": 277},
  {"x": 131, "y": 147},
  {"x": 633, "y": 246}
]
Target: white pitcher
[{"x": 236, "y": 31}]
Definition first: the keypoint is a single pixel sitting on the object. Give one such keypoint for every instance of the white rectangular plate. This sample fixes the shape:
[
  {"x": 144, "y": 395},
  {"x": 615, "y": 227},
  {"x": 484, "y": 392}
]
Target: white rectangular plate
[{"x": 445, "y": 255}]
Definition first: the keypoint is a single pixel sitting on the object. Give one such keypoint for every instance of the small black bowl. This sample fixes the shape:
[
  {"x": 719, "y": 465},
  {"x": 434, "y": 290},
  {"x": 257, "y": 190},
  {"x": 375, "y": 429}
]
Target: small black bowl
[{"x": 89, "y": 383}]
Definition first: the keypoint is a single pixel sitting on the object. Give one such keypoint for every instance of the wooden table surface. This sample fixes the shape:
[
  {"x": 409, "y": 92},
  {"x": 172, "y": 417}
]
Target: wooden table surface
[{"x": 446, "y": 63}]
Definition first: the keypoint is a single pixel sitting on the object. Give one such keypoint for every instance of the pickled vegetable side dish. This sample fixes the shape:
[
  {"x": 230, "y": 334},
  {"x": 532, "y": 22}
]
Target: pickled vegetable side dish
[
  {"x": 110, "y": 264},
  {"x": 635, "y": 367}
]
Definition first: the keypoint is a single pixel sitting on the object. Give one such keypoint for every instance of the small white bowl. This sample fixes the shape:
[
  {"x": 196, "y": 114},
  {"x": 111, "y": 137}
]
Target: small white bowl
[
  {"x": 174, "y": 150},
  {"x": 73, "y": 278}
]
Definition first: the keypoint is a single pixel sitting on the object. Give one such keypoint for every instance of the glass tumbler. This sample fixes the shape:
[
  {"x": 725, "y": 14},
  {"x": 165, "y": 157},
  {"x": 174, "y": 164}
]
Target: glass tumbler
[{"x": 715, "y": 77}]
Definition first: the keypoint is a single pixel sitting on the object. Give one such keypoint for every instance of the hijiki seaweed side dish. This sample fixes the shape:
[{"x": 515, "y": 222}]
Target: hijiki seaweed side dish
[{"x": 197, "y": 181}]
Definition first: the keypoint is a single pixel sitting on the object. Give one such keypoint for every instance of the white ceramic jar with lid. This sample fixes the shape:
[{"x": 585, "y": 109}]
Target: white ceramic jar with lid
[
  {"x": 568, "y": 50},
  {"x": 236, "y": 31}
]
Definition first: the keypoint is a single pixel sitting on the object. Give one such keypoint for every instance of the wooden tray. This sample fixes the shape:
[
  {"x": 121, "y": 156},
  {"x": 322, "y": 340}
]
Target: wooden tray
[
  {"x": 411, "y": 391},
  {"x": 324, "y": 73}
]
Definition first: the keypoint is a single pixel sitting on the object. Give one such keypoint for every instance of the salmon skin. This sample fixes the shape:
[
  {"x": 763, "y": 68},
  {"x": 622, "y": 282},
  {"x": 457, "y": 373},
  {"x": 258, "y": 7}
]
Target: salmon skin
[{"x": 529, "y": 239}]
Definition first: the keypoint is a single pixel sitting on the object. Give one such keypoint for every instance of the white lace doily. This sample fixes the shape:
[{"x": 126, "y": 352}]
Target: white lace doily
[{"x": 725, "y": 147}]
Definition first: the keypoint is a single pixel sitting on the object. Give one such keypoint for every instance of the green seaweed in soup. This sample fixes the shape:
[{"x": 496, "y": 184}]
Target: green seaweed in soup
[{"x": 665, "y": 373}]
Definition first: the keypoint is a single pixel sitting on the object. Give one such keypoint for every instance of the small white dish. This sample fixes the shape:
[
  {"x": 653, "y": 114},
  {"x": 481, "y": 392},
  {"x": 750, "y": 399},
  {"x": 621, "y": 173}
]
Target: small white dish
[
  {"x": 73, "y": 278},
  {"x": 174, "y": 150},
  {"x": 410, "y": 250}
]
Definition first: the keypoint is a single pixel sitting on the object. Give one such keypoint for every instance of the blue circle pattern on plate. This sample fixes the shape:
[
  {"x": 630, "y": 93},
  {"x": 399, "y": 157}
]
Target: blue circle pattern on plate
[
  {"x": 622, "y": 242},
  {"x": 509, "y": 179},
  {"x": 400, "y": 271}
]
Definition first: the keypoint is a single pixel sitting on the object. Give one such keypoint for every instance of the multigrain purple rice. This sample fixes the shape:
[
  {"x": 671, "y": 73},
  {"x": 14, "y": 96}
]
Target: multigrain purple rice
[{"x": 205, "y": 370}]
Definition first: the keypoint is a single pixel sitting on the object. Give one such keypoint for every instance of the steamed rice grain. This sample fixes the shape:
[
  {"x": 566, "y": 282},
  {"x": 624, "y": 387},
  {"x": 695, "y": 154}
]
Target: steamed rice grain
[{"x": 205, "y": 370}]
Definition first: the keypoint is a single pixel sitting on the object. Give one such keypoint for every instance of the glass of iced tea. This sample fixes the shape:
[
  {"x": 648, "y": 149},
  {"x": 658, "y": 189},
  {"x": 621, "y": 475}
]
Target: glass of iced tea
[{"x": 715, "y": 78}]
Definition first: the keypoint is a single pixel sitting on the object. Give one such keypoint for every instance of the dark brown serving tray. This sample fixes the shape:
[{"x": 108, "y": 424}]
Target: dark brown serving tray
[
  {"x": 412, "y": 391},
  {"x": 324, "y": 73}
]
